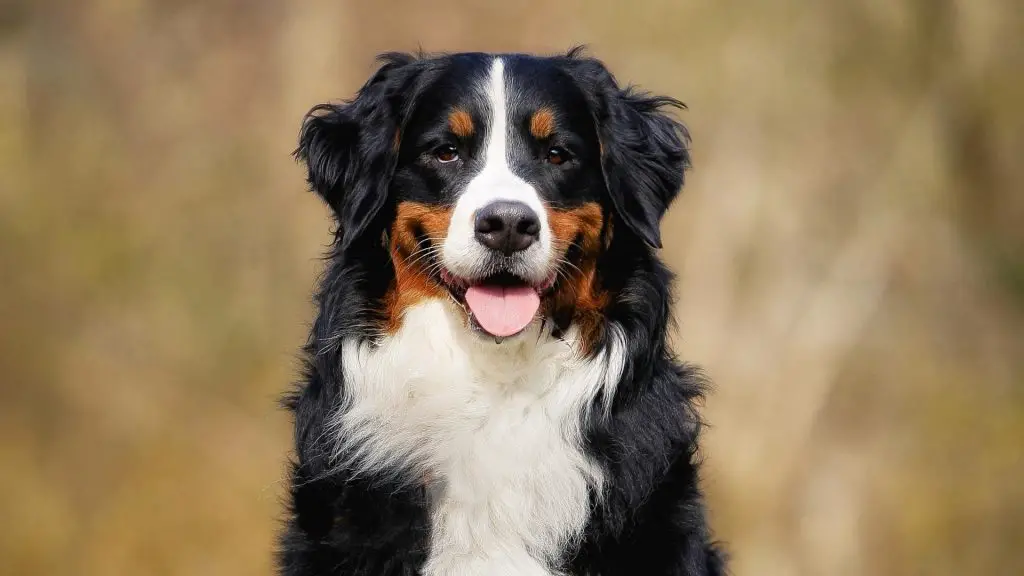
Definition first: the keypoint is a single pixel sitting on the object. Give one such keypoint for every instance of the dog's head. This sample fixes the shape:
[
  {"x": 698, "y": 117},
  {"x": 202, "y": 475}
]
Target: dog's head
[{"x": 497, "y": 180}]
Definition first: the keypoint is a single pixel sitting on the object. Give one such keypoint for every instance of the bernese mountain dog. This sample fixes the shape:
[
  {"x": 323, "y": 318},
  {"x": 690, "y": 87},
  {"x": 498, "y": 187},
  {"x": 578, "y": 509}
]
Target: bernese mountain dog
[{"x": 487, "y": 386}]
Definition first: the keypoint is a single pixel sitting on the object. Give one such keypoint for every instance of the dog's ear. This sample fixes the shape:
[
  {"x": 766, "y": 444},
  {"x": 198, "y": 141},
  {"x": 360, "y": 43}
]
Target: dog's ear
[
  {"x": 644, "y": 157},
  {"x": 350, "y": 149},
  {"x": 644, "y": 151}
]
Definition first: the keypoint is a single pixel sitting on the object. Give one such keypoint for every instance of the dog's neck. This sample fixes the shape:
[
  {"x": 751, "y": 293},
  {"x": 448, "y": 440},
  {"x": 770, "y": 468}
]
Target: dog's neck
[{"x": 498, "y": 428}]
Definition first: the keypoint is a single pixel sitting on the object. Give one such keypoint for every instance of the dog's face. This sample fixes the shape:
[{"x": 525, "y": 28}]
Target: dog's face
[
  {"x": 496, "y": 181},
  {"x": 498, "y": 177}
]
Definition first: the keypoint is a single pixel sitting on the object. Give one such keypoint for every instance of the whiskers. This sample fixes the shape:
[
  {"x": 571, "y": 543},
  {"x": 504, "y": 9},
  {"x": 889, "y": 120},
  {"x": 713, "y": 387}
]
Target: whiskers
[
  {"x": 565, "y": 268},
  {"x": 428, "y": 253}
]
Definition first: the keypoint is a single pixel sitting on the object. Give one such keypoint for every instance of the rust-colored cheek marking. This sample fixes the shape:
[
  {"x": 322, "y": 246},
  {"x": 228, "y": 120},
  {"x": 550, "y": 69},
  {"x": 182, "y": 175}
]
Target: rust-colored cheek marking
[
  {"x": 460, "y": 123},
  {"x": 412, "y": 284},
  {"x": 578, "y": 294},
  {"x": 542, "y": 123},
  {"x": 396, "y": 142}
]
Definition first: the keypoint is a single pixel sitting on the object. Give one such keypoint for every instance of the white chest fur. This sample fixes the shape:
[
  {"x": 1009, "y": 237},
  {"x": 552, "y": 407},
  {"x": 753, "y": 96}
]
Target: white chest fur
[{"x": 497, "y": 429}]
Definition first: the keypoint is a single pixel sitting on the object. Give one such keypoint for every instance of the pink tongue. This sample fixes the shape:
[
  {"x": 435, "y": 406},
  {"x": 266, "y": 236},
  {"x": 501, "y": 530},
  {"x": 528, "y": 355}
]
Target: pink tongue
[{"x": 503, "y": 311}]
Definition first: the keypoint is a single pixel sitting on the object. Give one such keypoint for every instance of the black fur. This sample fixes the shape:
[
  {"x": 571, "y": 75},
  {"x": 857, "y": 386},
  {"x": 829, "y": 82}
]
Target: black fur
[
  {"x": 651, "y": 518},
  {"x": 645, "y": 152}
]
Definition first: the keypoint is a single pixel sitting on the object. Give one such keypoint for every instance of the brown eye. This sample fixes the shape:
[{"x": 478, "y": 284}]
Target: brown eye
[
  {"x": 446, "y": 153},
  {"x": 557, "y": 155}
]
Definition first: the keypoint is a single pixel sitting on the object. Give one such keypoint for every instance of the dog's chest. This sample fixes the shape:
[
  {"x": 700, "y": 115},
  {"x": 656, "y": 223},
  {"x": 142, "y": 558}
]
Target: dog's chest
[{"x": 496, "y": 429}]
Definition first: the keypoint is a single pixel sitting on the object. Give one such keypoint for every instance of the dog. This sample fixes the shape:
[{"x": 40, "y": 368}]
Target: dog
[{"x": 487, "y": 386}]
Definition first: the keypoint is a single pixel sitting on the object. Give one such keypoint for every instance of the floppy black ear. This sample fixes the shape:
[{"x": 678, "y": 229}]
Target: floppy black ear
[
  {"x": 644, "y": 151},
  {"x": 350, "y": 148},
  {"x": 644, "y": 157}
]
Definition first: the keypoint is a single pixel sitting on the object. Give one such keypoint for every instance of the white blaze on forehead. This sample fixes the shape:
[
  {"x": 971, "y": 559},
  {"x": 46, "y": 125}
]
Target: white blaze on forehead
[
  {"x": 462, "y": 254},
  {"x": 496, "y": 152}
]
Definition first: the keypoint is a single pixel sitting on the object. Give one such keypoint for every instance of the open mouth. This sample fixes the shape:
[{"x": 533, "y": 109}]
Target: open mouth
[{"x": 500, "y": 305}]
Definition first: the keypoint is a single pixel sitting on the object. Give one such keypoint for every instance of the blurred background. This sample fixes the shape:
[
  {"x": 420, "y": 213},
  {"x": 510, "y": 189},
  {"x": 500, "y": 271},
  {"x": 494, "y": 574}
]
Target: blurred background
[{"x": 850, "y": 250}]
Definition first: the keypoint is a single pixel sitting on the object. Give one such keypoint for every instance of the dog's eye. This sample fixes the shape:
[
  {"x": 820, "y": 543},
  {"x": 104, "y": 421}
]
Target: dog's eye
[
  {"x": 446, "y": 153},
  {"x": 557, "y": 155}
]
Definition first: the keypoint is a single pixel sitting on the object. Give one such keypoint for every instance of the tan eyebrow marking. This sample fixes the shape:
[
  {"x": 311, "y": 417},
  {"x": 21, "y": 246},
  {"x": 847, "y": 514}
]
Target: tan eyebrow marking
[
  {"x": 542, "y": 123},
  {"x": 461, "y": 123}
]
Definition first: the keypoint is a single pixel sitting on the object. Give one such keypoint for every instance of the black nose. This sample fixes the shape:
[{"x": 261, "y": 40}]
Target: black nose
[{"x": 507, "y": 226}]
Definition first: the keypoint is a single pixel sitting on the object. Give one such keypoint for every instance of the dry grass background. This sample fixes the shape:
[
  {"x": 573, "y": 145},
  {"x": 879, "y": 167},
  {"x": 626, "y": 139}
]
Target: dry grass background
[{"x": 850, "y": 249}]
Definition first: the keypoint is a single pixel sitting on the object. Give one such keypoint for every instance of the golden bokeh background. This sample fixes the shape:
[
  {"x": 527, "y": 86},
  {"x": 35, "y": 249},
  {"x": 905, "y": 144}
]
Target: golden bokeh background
[{"x": 850, "y": 249}]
